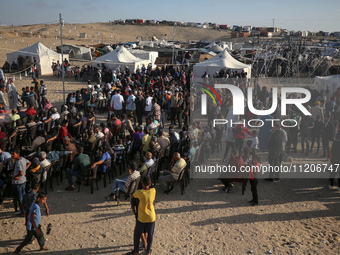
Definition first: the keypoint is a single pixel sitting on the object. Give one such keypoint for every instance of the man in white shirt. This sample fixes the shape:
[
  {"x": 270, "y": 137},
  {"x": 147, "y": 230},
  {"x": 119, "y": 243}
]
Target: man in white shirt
[
  {"x": 148, "y": 104},
  {"x": 55, "y": 116},
  {"x": 149, "y": 161},
  {"x": 2, "y": 77},
  {"x": 116, "y": 104},
  {"x": 317, "y": 110},
  {"x": 99, "y": 134},
  {"x": 43, "y": 161}
]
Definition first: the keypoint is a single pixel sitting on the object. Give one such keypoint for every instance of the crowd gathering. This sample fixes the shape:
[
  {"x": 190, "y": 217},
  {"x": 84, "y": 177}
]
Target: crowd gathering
[{"x": 147, "y": 132}]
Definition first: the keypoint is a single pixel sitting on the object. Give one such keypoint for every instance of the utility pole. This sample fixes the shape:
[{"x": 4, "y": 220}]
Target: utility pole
[
  {"x": 62, "y": 55},
  {"x": 173, "y": 45},
  {"x": 273, "y": 23}
]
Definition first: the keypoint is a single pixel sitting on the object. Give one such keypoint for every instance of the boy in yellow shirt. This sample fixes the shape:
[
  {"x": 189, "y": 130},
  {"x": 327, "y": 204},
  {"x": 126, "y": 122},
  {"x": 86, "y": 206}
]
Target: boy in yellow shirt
[{"x": 146, "y": 214}]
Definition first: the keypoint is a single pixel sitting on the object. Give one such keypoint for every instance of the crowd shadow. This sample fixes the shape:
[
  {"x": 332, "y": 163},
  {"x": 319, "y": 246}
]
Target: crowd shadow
[
  {"x": 199, "y": 195},
  {"x": 332, "y": 211},
  {"x": 198, "y": 199},
  {"x": 121, "y": 249}
]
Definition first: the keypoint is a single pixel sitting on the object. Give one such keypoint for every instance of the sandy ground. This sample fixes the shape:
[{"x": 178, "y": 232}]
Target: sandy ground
[{"x": 294, "y": 216}]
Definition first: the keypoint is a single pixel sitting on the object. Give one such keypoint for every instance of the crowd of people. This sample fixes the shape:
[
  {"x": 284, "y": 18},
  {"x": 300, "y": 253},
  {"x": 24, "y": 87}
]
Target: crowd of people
[
  {"x": 138, "y": 106},
  {"x": 316, "y": 133},
  {"x": 141, "y": 108}
]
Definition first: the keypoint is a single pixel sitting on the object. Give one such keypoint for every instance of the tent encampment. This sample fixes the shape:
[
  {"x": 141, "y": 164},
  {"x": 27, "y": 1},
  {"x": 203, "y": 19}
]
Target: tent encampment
[
  {"x": 120, "y": 57},
  {"x": 331, "y": 82},
  {"x": 43, "y": 55},
  {"x": 216, "y": 63}
]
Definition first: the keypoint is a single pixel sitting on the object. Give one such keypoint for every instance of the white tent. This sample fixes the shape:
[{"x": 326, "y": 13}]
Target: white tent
[
  {"x": 43, "y": 55},
  {"x": 216, "y": 63},
  {"x": 332, "y": 82},
  {"x": 120, "y": 57},
  {"x": 146, "y": 55}
]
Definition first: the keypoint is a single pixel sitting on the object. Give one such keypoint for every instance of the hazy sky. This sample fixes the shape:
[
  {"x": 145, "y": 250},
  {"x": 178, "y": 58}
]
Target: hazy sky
[{"x": 312, "y": 15}]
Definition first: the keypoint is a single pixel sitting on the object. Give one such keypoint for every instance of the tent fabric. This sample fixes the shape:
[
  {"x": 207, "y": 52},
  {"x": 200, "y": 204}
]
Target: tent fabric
[
  {"x": 120, "y": 57},
  {"x": 76, "y": 52},
  {"x": 146, "y": 55},
  {"x": 216, "y": 63},
  {"x": 43, "y": 55},
  {"x": 216, "y": 48},
  {"x": 332, "y": 82}
]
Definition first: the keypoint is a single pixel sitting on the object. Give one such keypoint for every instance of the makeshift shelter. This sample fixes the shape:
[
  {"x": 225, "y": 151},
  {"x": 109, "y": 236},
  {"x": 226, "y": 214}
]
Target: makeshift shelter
[
  {"x": 120, "y": 57},
  {"x": 76, "y": 52},
  {"x": 331, "y": 82},
  {"x": 146, "y": 55},
  {"x": 216, "y": 63},
  {"x": 108, "y": 48},
  {"x": 43, "y": 55}
]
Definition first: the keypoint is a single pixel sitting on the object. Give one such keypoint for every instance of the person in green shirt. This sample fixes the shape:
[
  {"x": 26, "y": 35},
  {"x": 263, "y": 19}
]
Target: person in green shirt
[
  {"x": 14, "y": 118},
  {"x": 81, "y": 168},
  {"x": 87, "y": 96},
  {"x": 146, "y": 215}
]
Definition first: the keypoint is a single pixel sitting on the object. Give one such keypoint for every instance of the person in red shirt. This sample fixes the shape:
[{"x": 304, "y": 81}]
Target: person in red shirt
[
  {"x": 240, "y": 134},
  {"x": 2, "y": 135},
  {"x": 31, "y": 111},
  {"x": 63, "y": 132},
  {"x": 116, "y": 124}
]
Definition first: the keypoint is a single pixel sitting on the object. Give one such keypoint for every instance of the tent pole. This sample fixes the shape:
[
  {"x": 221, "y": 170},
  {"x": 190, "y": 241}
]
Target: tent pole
[
  {"x": 173, "y": 45},
  {"x": 62, "y": 56}
]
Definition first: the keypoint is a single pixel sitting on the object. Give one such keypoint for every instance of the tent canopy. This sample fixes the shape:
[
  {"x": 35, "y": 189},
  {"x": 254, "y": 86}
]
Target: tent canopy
[
  {"x": 43, "y": 55},
  {"x": 216, "y": 63},
  {"x": 332, "y": 82},
  {"x": 120, "y": 57}
]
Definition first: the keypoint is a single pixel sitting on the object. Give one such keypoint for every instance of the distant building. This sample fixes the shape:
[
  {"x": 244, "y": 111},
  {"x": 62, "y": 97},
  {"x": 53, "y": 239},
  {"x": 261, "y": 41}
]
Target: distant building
[
  {"x": 239, "y": 34},
  {"x": 223, "y": 27}
]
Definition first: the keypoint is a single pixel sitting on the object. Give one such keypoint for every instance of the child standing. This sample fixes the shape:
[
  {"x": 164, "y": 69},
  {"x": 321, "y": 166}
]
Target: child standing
[
  {"x": 33, "y": 225},
  {"x": 146, "y": 215}
]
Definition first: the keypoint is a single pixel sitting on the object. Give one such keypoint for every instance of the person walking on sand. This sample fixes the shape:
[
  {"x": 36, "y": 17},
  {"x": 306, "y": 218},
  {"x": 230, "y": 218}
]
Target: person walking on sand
[
  {"x": 146, "y": 215},
  {"x": 33, "y": 225}
]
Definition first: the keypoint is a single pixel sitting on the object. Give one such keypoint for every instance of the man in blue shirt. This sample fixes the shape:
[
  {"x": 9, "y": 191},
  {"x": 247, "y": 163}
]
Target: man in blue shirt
[
  {"x": 103, "y": 156},
  {"x": 5, "y": 156},
  {"x": 19, "y": 177},
  {"x": 33, "y": 225}
]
